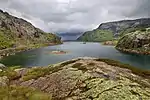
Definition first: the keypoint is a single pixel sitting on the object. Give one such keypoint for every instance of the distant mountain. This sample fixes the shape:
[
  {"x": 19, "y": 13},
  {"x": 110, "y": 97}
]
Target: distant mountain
[
  {"x": 116, "y": 28},
  {"x": 69, "y": 36},
  {"x": 16, "y": 32}
]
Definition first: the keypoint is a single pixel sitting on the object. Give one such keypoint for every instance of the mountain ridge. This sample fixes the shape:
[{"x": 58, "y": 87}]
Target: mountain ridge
[
  {"x": 17, "y": 34},
  {"x": 115, "y": 27},
  {"x": 22, "y": 32}
]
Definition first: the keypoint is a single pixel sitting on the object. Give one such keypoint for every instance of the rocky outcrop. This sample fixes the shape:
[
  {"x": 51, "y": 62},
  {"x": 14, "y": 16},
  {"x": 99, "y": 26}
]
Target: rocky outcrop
[
  {"x": 135, "y": 42},
  {"x": 16, "y": 31},
  {"x": 87, "y": 79},
  {"x": 116, "y": 29}
]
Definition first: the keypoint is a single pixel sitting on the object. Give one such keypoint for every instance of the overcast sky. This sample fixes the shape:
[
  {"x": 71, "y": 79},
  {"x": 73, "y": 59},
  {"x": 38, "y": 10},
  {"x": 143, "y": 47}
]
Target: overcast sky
[{"x": 75, "y": 15}]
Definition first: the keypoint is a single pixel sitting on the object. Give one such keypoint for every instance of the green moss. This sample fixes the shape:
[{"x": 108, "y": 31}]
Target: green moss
[
  {"x": 79, "y": 66},
  {"x": 68, "y": 62},
  {"x": 53, "y": 38},
  {"x": 22, "y": 93},
  {"x": 5, "y": 40},
  {"x": 35, "y": 73},
  {"x": 10, "y": 73}
]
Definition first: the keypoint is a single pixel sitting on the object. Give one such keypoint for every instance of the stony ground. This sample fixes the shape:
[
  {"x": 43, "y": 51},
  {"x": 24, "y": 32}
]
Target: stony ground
[{"x": 84, "y": 79}]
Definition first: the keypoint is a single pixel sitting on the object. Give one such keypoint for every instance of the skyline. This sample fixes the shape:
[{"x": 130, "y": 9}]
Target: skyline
[{"x": 70, "y": 16}]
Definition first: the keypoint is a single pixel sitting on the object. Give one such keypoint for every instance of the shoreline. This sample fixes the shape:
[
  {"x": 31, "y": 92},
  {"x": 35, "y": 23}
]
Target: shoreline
[
  {"x": 12, "y": 51},
  {"x": 133, "y": 51}
]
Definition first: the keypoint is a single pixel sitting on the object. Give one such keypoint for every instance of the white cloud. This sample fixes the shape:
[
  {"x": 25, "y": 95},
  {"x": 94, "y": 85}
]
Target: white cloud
[{"x": 73, "y": 15}]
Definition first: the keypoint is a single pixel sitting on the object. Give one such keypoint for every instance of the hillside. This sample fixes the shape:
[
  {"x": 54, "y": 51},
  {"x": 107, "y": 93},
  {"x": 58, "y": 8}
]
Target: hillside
[
  {"x": 15, "y": 32},
  {"x": 135, "y": 42},
  {"x": 77, "y": 79},
  {"x": 96, "y": 36},
  {"x": 117, "y": 28}
]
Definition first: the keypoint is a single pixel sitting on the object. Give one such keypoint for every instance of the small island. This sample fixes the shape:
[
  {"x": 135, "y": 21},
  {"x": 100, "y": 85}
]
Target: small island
[{"x": 58, "y": 52}]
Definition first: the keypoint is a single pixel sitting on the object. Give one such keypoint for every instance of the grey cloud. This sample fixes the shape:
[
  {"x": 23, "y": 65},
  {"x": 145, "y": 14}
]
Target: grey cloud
[
  {"x": 75, "y": 15},
  {"x": 143, "y": 9}
]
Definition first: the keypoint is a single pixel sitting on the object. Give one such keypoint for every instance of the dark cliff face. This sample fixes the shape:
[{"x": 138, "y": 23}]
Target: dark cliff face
[
  {"x": 118, "y": 26},
  {"x": 21, "y": 32}
]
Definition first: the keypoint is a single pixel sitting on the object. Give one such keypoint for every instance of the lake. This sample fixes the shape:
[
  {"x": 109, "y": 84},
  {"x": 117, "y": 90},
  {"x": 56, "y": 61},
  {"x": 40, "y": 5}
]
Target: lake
[{"x": 44, "y": 57}]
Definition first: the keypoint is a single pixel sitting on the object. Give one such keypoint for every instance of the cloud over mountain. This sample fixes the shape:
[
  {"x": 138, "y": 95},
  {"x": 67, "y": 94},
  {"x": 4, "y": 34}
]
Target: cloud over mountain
[{"x": 75, "y": 15}]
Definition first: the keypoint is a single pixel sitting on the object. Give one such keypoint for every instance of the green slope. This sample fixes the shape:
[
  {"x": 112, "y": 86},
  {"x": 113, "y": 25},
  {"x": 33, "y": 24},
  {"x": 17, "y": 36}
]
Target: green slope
[{"x": 96, "y": 36}]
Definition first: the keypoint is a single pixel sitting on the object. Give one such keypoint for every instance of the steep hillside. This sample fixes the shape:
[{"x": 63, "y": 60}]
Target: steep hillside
[
  {"x": 96, "y": 36},
  {"x": 15, "y": 32},
  {"x": 118, "y": 28},
  {"x": 135, "y": 42}
]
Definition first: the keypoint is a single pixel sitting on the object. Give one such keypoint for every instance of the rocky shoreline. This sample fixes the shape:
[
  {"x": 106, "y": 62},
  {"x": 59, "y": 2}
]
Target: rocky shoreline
[
  {"x": 133, "y": 51},
  {"x": 13, "y": 51},
  {"x": 82, "y": 79}
]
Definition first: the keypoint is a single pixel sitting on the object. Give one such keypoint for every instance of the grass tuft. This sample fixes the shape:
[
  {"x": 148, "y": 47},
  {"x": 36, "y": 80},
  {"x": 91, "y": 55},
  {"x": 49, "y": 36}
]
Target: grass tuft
[
  {"x": 79, "y": 66},
  {"x": 22, "y": 93}
]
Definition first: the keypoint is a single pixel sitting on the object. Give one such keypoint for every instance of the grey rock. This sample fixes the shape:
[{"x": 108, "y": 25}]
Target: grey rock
[
  {"x": 2, "y": 66},
  {"x": 21, "y": 71},
  {"x": 4, "y": 81}
]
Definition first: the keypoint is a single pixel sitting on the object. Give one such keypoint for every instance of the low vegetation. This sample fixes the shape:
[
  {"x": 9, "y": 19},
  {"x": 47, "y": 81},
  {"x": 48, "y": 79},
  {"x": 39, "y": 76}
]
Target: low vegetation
[
  {"x": 22, "y": 93},
  {"x": 10, "y": 73},
  {"x": 97, "y": 36},
  {"x": 35, "y": 73},
  {"x": 6, "y": 40},
  {"x": 79, "y": 66},
  {"x": 135, "y": 42},
  {"x": 130, "y": 30}
]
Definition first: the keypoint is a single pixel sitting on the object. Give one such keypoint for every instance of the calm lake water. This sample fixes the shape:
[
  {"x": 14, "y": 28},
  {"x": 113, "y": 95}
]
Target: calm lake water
[{"x": 43, "y": 56}]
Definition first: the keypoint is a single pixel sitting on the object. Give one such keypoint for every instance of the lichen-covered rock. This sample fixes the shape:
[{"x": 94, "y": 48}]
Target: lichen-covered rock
[
  {"x": 88, "y": 79},
  {"x": 4, "y": 81}
]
